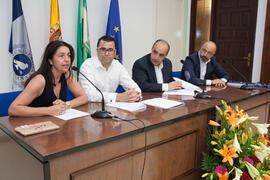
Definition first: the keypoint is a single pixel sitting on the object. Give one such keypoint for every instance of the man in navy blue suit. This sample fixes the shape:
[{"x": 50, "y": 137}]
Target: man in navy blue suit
[
  {"x": 201, "y": 65},
  {"x": 153, "y": 72}
]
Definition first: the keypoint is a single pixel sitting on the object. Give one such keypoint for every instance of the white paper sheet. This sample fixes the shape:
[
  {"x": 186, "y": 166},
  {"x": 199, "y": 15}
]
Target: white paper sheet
[
  {"x": 71, "y": 114},
  {"x": 162, "y": 103},
  {"x": 188, "y": 86},
  {"x": 128, "y": 106},
  {"x": 179, "y": 92}
]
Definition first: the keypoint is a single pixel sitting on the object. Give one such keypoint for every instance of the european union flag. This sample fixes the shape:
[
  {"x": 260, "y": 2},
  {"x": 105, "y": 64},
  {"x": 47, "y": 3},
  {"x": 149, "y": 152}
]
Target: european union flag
[{"x": 114, "y": 28}]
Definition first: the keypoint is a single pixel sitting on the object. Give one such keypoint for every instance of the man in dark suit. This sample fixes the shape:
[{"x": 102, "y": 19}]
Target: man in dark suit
[
  {"x": 153, "y": 72},
  {"x": 201, "y": 65}
]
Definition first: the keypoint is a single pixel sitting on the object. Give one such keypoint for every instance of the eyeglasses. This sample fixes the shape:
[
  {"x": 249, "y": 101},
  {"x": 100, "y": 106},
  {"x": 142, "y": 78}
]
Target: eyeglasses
[
  {"x": 104, "y": 50},
  {"x": 207, "y": 52}
]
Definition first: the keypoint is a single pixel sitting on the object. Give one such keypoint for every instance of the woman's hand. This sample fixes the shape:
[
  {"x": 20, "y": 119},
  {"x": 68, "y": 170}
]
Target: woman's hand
[
  {"x": 57, "y": 109},
  {"x": 58, "y": 101}
]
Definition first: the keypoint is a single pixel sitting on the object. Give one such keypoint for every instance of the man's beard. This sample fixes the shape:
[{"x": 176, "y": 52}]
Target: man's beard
[{"x": 204, "y": 58}]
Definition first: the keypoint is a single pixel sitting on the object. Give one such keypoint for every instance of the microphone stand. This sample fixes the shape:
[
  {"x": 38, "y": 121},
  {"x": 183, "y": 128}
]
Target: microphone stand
[
  {"x": 244, "y": 86},
  {"x": 247, "y": 87},
  {"x": 202, "y": 95},
  {"x": 97, "y": 114}
]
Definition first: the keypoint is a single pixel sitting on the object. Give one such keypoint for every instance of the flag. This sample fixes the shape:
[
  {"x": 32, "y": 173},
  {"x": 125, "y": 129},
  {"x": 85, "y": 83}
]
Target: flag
[
  {"x": 19, "y": 47},
  {"x": 55, "y": 29},
  {"x": 83, "y": 42},
  {"x": 114, "y": 28}
]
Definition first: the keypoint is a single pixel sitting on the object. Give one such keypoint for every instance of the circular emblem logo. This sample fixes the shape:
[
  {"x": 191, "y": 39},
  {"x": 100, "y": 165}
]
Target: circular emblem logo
[{"x": 21, "y": 64}]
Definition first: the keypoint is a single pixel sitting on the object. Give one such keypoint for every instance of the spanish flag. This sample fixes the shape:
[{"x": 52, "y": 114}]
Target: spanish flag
[{"x": 55, "y": 30}]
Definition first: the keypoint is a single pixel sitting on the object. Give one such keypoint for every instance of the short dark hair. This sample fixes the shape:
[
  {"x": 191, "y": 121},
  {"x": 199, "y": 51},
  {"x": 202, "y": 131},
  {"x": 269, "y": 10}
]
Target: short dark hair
[
  {"x": 107, "y": 39},
  {"x": 162, "y": 40}
]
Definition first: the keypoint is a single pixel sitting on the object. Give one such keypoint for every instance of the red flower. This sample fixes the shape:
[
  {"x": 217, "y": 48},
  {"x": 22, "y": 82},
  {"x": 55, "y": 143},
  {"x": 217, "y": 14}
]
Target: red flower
[
  {"x": 220, "y": 170},
  {"x": 245, "y": 176},
  {"x": 255, "y": 159},
  {"x": 248, "y": 160}
]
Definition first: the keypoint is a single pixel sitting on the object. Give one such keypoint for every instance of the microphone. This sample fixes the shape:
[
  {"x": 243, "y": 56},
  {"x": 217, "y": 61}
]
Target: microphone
[
  {"x": 202, "y": 95},
  {"x": 245, "y": 86},
  {"x": 182, "y": 61},
  {"x": 97, "y": 114}
]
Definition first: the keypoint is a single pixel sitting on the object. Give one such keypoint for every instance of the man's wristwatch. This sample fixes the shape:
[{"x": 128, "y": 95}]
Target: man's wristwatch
[{"x": 68, "y": 104}]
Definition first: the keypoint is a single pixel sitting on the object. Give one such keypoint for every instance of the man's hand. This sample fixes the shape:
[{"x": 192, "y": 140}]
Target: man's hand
[
  {"x": 174, "y": 85},
  {"x": 131, "y": 95},
  {"x": 218, "y": 83}
]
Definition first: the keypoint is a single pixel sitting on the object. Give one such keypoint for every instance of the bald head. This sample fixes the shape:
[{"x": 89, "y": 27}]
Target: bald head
[
  {"x": 159, "y": 52},
  {"x": 207, "y": 50}
]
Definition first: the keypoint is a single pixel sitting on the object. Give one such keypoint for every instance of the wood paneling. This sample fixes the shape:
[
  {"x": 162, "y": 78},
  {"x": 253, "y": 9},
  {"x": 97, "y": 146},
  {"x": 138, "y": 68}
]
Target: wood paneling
[
  {"x": 233, "y": 30},
  {"x": 88, "y": 148},
  {"x": 178, "y": 145}
]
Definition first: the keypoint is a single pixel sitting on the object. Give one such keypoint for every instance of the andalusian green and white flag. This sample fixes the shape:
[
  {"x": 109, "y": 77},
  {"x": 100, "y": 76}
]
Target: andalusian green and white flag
[{"x": 83, "y": 42}]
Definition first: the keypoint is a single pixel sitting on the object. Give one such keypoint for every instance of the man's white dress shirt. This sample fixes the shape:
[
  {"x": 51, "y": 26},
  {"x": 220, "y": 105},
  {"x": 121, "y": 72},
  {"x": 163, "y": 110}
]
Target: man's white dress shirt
[
  {"x": 106, "y": 80},
  {"x": 159, "y": 76},
  {"x": 203, "y": 67}
]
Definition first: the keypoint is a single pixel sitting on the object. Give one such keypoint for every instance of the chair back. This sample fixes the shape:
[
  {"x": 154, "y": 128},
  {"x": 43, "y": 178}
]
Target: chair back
[
  {"x": 176, "y": 74},
  {"x": 5, "y": 100},
  {"x": 70, "y": 96}
]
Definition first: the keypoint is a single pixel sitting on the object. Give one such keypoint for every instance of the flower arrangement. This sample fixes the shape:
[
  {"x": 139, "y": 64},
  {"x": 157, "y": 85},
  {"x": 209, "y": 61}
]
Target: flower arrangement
[{"x": 235, "y": 152}]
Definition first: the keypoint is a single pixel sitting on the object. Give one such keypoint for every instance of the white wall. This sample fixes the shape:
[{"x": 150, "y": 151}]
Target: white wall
[
  {"x": 136, "y": 21},
  {"x": 171, "y": 25}
]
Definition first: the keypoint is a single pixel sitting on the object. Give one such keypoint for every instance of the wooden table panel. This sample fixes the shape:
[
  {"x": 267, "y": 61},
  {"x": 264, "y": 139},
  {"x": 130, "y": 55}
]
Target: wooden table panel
[{"x": 103, "y": 148}]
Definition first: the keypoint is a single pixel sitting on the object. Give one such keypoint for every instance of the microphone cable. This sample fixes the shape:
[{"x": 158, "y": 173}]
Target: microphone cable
[{"x": 145, "y": 137}]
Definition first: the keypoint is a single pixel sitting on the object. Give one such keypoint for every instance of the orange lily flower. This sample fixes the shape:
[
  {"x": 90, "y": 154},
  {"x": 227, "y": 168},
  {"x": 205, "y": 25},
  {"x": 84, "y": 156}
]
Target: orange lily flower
[
  {"x": 228, "y": 154},
  {"x": 233, "y": 119},
  {"x": 221, "y": 133},
  {"x": 265, "y": 141},
  {"x": 225, "y": 176},
  {"x": 266, "y": 177},
  {"x": 228, "y": 111},
  {"x": 213, "y": 123},
  {"x": 214, "y": 136},
  {"x": 241, "y": 113}
]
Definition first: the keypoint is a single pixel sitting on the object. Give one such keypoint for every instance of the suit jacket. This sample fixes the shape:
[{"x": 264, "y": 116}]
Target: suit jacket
[
  {"x": 191, "y": 70},
  {"x": 143, "y": 73}
]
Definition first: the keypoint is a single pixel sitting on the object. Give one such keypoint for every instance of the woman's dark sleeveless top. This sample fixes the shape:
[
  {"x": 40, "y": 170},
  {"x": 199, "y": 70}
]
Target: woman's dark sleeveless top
[{"x": 48, "y": 97}]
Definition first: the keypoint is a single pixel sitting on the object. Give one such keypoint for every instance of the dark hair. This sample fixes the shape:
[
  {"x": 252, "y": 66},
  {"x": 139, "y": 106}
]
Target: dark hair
[
  {"x": 45, "y": 66},
  {"x": 107, "y": 39},
  {"x": 162, "y": 40}
]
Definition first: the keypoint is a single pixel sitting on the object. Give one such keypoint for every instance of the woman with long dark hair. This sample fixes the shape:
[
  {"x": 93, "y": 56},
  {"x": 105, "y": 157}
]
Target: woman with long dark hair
[{"x": 45, "y": 90}]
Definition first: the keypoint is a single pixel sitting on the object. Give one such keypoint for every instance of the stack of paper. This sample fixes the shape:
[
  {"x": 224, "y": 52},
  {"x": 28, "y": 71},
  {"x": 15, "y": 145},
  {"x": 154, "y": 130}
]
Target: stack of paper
[
  {"x": 162, "y": 103},
  {"x": 128, "y": 106}
]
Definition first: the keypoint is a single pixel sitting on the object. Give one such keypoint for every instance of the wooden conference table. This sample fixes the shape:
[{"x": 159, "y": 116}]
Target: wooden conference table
[{"x": 88, "y": 148}]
